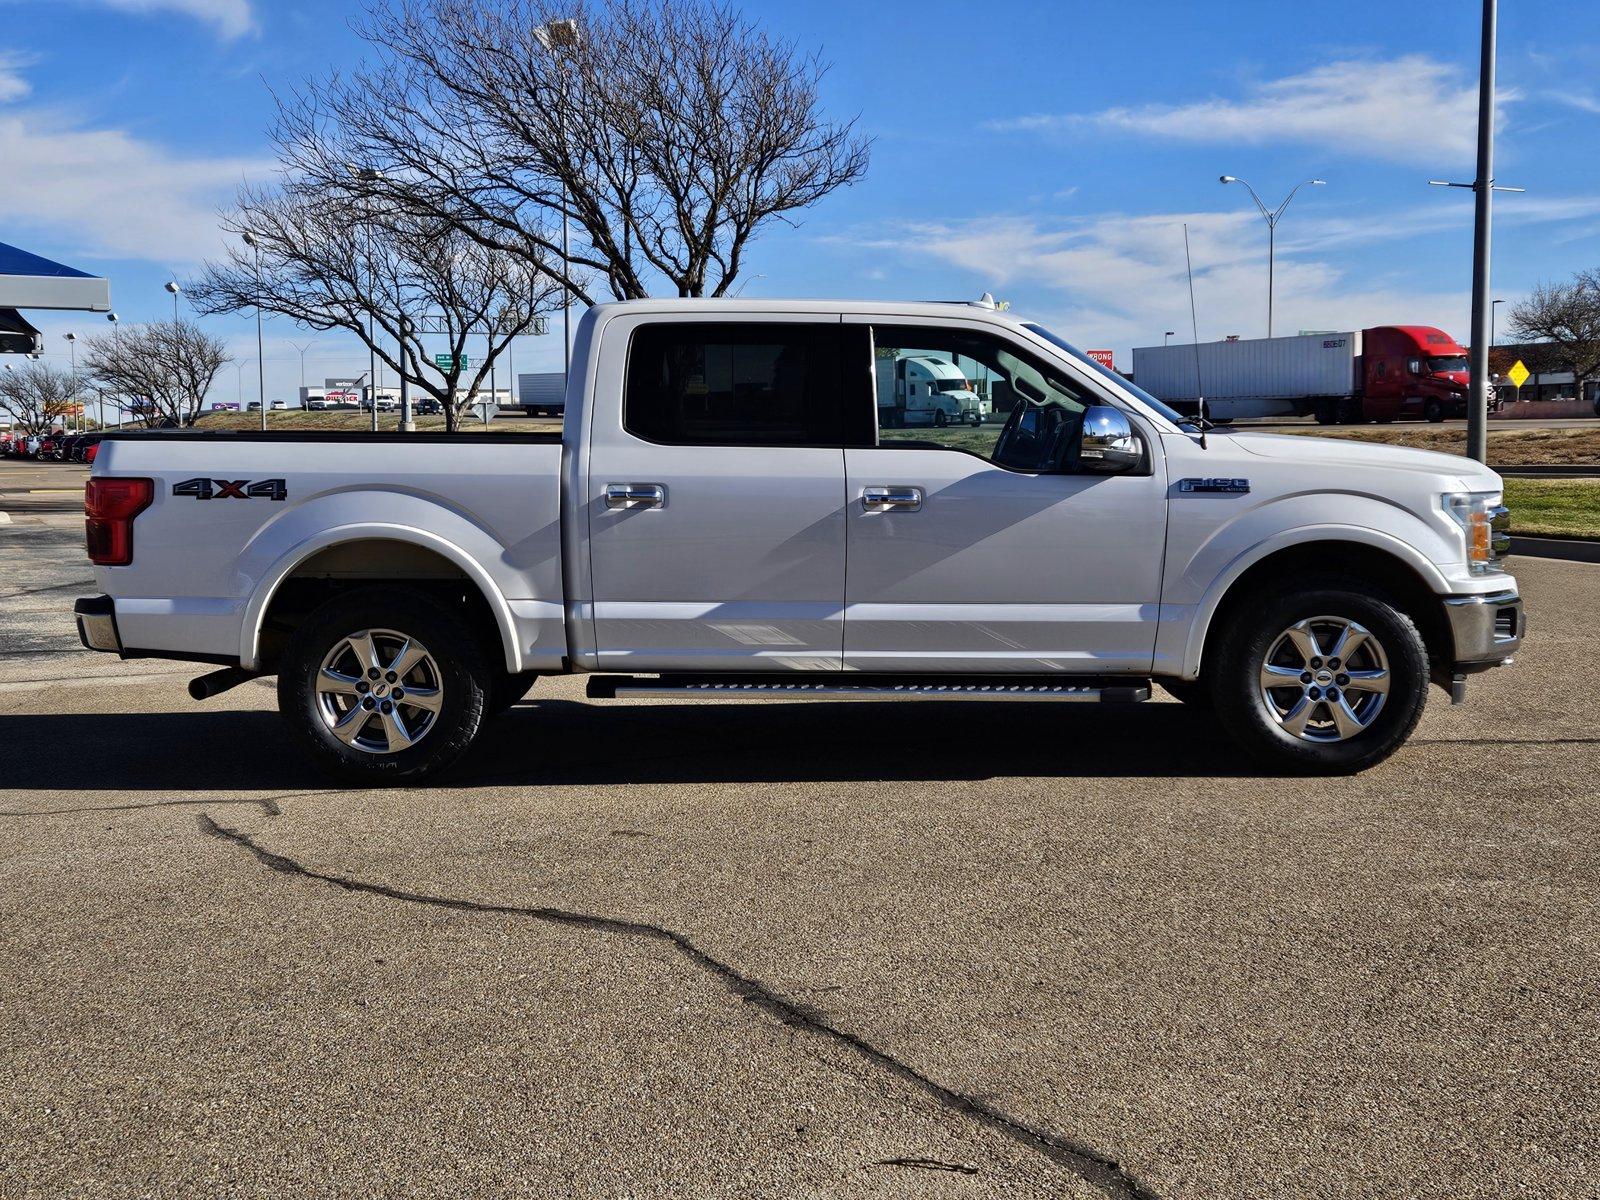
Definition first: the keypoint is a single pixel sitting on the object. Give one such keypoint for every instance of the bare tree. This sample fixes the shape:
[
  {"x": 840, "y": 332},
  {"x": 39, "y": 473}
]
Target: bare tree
[
  {"x": 1567, "y": 317},
  {"x": 665, "y": 133},
  {"x": 329, "y": 262},
  {"x": 163, "y": 370},
  {"x": 37, "y": 395}
]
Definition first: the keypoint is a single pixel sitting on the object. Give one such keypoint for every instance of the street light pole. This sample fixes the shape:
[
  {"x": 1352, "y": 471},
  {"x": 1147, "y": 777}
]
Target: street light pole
[
  {"x": 172, "y": 286},
  {"x": 1167, "y": 337},
  {"x": 1272, "y": 215},
  {"x": 1483, "y": 189},
  {"x": 72, "y": 345},
  {"x": 566, "y": 35},
  {"x": 261, "y": 360}
]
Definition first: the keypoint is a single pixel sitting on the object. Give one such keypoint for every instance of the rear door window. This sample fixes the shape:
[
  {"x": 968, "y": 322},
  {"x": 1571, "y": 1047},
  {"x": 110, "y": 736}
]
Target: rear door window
[{"x": 739, "y": 384}]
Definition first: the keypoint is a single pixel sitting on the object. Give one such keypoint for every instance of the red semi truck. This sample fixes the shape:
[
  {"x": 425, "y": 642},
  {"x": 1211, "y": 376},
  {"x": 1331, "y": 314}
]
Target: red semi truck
[{"x": 1374, "y": 374}]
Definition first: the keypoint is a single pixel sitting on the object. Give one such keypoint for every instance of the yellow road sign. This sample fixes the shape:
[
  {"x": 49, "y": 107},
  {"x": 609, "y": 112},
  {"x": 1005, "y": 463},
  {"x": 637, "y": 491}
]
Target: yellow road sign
[{"x": 1518, "y": 374}]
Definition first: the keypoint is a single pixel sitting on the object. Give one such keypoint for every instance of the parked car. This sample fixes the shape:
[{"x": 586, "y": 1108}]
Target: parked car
[
  {"x": 724, "y": 515},
  {"x": 81, "y": 451},
  {"x": 66, "y": 448}
]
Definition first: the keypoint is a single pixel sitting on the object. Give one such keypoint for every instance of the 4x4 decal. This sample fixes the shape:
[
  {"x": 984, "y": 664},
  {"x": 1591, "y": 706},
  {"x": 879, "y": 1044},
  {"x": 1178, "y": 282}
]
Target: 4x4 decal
[{"x": 232, "y": 489}]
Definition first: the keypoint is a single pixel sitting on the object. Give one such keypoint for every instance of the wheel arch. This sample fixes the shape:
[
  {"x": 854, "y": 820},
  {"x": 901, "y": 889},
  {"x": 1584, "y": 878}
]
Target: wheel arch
[
  {"x": 369, "y": 555},
  {"x": 1412, "y": 583}
]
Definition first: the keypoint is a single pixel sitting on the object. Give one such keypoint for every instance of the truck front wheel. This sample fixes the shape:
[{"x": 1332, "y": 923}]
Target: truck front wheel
[
  {"x": 1321, "y": 679},
  {"x": 384, "y": 686},
  {"x": 1434, "y": 411}
]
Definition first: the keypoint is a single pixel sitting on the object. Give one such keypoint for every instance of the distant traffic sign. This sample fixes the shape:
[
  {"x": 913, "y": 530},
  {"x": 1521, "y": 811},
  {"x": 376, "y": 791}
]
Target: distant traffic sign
[
  {"x": 1518, "y": 374},
  {"x": 446, "y": 362},
  {"x": 1104, "y": 357}
]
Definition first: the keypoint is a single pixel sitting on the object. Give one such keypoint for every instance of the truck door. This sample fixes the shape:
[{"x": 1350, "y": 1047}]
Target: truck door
[
  {"x": 968, "y": 554},
  {"x": 716, "y": 494}
]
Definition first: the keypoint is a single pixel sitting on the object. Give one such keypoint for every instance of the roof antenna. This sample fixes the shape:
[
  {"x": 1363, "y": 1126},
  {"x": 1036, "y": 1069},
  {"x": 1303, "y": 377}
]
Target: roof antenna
[{"x": 1194, "y": 325}]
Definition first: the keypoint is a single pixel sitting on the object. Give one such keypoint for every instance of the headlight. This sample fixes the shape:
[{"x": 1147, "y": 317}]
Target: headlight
[{"x": 1486, "y": 524}]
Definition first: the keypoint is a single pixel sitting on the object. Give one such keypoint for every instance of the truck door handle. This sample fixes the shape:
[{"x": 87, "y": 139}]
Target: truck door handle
[
  {"x": 635, "y": 495},
  {"x": 908, "y": 498}
]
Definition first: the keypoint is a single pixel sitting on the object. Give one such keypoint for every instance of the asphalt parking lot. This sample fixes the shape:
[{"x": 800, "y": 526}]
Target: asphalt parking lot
[{"x": 792, "y": 949}]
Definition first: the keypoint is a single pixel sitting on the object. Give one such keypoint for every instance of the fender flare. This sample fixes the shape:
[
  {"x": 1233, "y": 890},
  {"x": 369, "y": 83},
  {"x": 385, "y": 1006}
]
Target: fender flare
[
  {"x": 261, "y": 599},
  {"x": 1200, "y": 626}
]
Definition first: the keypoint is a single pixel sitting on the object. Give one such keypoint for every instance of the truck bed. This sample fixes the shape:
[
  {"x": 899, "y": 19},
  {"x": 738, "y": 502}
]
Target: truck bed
[{"x": 236, "y": 513}]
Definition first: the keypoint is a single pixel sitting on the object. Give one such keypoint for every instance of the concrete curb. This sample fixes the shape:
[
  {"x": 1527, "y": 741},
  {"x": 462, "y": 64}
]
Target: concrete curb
[{"x": 1565, "y": 549}]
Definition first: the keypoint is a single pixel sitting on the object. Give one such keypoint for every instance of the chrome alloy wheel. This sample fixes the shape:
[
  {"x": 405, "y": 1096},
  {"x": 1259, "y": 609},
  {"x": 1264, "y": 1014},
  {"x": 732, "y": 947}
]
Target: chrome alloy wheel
[
  {"x": 1325, "y": 679},
  {"x": 379, "y": 691}
]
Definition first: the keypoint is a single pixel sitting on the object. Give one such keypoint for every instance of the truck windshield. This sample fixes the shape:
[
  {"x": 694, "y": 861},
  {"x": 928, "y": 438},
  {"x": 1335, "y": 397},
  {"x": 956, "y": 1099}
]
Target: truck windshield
[
  {"x": 951, "y": 385},
  {"x": 1447, "y": 365},
  {"x": 1170, "y": 414}
]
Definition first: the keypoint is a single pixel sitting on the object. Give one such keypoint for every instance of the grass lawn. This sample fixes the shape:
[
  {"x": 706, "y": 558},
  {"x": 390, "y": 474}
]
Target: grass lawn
[
  {"x": 1507, "y": 447},
  {"x": 1560, "y": 507}
]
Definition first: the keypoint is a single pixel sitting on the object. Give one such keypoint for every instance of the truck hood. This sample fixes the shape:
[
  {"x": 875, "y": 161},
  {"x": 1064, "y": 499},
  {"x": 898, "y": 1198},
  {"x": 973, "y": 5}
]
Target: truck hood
[{"x": 1342, "y": 451}]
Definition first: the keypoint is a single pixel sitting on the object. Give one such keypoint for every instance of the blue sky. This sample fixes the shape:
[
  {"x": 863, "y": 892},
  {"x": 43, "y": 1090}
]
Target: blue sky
[{"x": 1048, "y": 153}]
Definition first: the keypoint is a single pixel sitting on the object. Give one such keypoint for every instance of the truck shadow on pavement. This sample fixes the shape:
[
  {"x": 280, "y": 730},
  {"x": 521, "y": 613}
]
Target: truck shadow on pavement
[{"x": 565, "y": 742}]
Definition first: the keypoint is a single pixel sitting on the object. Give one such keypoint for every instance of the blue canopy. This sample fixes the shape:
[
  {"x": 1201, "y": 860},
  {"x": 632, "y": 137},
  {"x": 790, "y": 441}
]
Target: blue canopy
[{"x": 29, "y": 280}]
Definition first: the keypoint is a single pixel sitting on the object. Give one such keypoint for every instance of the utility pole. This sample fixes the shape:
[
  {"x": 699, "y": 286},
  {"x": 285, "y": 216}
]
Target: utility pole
[{"x": 1483, "y": 188}]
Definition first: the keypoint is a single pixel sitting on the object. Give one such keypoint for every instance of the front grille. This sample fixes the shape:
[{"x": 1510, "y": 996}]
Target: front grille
[{"x": 1499, "y": 532}]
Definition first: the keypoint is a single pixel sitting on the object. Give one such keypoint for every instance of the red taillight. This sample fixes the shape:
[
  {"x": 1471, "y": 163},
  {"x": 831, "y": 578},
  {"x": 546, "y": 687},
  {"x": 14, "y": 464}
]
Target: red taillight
[{"x": 110, "y": 504}]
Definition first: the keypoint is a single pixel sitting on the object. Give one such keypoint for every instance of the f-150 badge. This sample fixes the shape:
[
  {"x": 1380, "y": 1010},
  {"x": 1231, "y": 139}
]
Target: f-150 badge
[
  {"x": 1232, "y": 486},
  {"x": 232, "y": 489}
]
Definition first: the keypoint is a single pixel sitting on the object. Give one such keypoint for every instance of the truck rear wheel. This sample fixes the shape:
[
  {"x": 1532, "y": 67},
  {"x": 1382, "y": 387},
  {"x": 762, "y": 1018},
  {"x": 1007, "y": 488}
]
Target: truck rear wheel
[
  {"x": 384, "y": 686},
  {"x": 1320, "y": 679}
]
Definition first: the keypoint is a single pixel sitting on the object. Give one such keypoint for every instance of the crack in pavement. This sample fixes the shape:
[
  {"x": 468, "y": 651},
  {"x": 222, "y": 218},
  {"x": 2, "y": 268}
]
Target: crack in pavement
[{"x": 1093, "y": 1167}]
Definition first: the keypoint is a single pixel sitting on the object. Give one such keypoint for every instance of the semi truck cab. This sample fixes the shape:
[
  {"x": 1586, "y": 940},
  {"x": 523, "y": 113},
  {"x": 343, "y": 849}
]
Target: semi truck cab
[{"x": 1412, "y": 371}]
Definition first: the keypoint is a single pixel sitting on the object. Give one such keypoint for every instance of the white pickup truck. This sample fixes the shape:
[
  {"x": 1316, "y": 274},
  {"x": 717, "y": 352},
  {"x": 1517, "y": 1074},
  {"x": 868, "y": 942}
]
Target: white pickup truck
[{"x": 722, "y": 516}]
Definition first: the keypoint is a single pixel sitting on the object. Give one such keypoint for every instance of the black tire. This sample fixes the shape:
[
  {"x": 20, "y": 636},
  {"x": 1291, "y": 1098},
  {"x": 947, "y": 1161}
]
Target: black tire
[
  {"x": 1326, "y": 412},
  {"x": 940, "y": 418},
  {"x": 463, "y": 675},
  {"x": 1434, "y": 411},
  {"x": 1233, "y": 672}
]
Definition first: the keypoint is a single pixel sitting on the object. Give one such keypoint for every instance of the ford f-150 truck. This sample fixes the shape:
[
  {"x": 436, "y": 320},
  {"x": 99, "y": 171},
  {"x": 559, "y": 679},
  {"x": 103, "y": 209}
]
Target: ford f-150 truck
[{"x": 723, "y": 515}]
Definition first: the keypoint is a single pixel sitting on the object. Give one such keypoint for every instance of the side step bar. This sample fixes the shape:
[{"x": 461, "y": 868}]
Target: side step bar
[{"x": 1081, "y": 689}]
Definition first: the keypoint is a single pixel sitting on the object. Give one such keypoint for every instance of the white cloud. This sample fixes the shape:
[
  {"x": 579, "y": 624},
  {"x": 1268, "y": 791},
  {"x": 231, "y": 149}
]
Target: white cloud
[
  {"x": 12, "y": 85},
  {"x": 231, "y": 18},
  {"x": 1119, "y": 281},
  {"x": 1377, "y": 108},
  {"x": 110, "y": 192}
]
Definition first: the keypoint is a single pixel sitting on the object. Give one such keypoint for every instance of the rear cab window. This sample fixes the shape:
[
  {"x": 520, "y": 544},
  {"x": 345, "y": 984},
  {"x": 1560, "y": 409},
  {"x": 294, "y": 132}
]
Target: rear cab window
[{"x": 695, "y": 383}]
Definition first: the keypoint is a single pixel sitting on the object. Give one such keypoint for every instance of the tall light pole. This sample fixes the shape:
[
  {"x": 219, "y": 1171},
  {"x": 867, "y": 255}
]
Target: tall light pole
[
  {"x": 563, "y": 35},
  {"x": 172, "y": 286},
  {"x": 72, "y": 345},
  {"x": 100, "y": 392},
  {"x": 1272, "y": 215},
  {"x": 371, "y": 175},
  {"x": 1483, "y": 188},
  {"x": 261, "y": 359},
  {"x": 1167, "y": 337},
  {"x": 302, "y": 352}
]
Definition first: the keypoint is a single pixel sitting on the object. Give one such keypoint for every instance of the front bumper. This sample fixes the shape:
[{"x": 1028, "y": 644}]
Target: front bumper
[
  {"x": 1487, "y": 629},
  {"x": 97, "y": 623}
]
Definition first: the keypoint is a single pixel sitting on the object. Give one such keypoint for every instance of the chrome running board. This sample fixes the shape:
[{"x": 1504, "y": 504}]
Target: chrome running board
[{"x": 847, "y": 687}]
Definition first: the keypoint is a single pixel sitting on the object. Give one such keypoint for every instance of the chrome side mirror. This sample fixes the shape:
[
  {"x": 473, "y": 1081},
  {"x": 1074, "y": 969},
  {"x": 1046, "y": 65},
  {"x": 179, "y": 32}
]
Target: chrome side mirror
[{"x": 1109, "y": 445}]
